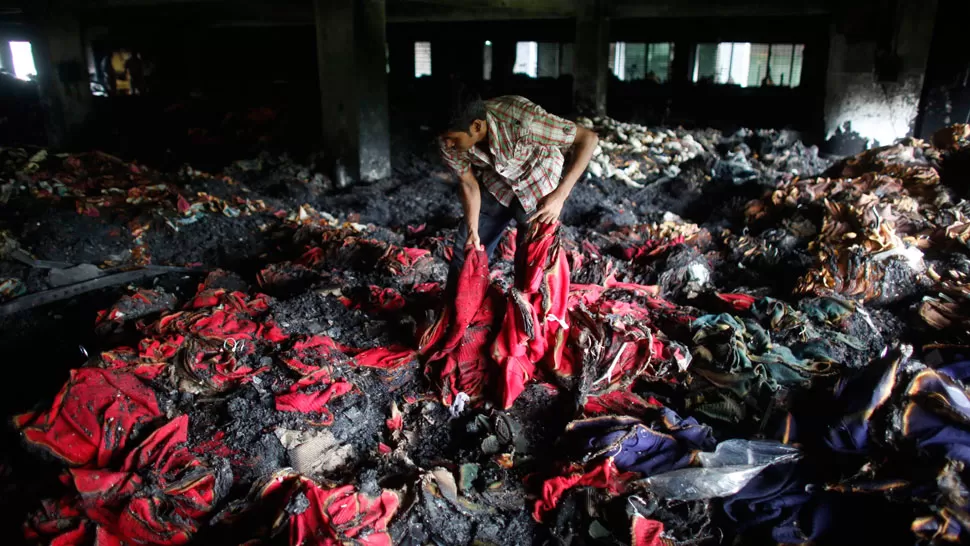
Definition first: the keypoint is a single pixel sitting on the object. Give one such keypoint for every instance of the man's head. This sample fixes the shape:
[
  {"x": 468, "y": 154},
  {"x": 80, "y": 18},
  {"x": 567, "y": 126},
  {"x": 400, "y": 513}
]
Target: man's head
[{"x": 462, "y": 123}]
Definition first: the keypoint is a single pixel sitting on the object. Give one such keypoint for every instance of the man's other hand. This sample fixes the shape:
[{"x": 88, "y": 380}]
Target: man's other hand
[
  {"x": 473, "y": 242},
  {"x": 550, "y": 207}
]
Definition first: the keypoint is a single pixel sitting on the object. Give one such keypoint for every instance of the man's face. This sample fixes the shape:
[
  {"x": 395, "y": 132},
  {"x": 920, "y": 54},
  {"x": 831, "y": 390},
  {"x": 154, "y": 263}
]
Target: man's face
[{"x": 462, "y": 141}]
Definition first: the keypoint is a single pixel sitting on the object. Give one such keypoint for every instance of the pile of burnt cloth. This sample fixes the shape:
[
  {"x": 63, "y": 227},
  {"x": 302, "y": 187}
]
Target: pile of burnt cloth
[{"x": 757, "y": 384}]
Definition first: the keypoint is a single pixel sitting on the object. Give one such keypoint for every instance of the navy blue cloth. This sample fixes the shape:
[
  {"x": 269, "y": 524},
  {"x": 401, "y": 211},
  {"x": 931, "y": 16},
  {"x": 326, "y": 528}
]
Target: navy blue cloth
[
  {"x": 937, "y": 417},
  {"x": 668, "y": 444},
  {"x": 779, "y": 497},
  {"x": 860, "y": 399}
]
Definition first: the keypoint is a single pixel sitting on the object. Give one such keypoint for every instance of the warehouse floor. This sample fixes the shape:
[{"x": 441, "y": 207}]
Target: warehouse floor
[{"x": 723, "y": 286}]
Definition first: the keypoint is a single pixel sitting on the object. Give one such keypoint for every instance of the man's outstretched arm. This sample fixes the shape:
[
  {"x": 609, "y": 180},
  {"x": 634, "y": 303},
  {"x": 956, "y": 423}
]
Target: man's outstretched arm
[
  {"x": 551, "y": 205},
  {"x": 471, "y": 203}
]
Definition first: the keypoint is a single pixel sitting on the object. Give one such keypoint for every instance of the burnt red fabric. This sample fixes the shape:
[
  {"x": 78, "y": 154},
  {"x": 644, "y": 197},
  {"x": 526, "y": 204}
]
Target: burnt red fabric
[
  {"x": 455, "y": 346},
  {"x": 334, "y": 517},
  {"x": 399, "y": 260},
  {"x": 645, "y": 531},
  {"x": 308, "y": 402},
  {"x": 739, "y": 302},
  {"x": 305, "y": 396},
  {"x": 506, "y": 247},
  {"x": 602, "y": 476},
  {"x": 651, "y": 248},
  {"x": 390, "y": 358},
  {"x": 386, "y": 299},
  {"x": 535, "y": 323},
  {"x": 92, "y": 417},
  {"x": 126, "y": 359},
  {"x": 60, "y": 522},
  {"x": 620, "y": 402},
  {"x": 312, "y": 353},
  {"x": 158, "y": 496},
  {"x": 213, "y": 333}
]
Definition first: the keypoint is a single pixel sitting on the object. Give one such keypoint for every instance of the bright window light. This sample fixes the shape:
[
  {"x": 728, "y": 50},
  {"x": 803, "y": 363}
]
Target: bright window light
[
  {"x": 422, "y": 59},
  {"x": 526, "y": 59},
  {"x": 487, "y": 60},
  {"x": 23, "y": 60}
]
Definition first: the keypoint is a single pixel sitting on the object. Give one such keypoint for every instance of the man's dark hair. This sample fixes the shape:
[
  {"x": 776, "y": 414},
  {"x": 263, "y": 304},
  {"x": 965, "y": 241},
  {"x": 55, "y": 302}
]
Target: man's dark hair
[{"x": 463, "y": 106}]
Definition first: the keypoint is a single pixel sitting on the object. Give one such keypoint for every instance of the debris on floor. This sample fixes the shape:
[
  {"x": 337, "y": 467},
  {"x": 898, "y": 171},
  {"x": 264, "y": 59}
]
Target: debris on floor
[{"x": 784, "y": 365}]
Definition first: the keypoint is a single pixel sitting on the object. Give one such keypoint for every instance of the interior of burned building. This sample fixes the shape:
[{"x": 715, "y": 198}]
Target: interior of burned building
[{"x": 701, "y": 278}]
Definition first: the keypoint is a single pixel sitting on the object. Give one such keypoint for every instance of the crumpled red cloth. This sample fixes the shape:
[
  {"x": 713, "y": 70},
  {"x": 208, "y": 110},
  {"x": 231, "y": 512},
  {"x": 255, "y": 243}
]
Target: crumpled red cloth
[
  {"x": 126, "y": 359},
  {"x": 301, "y": 400},
  {"x": 646, "y": 531},
  {"x": 335, "y": 516},
  {"x": 455, "y": 346},
  {"x": 739, "y": 302},
  {"x": 604, "y": 475},
  {"x": 160, "y": 495},
  {"x": 314, "y": 352},
  {"x": 535, "y": 323},
  {"x": 141, "y": 303},
  {"x": 214, "y": 331},
  {"x": 92, "y": 417},
  {"x": 621, "y": 402}
]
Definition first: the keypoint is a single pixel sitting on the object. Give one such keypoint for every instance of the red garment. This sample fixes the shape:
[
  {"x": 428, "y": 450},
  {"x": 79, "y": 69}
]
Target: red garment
[
  {"x": 126, "y": 359},
  {"x": 646, "y": 532},
  {"x": 398, "y": 260},
  {"x": 455, "y": 345},
  {"x": 651, "y": 248},
  {"x": 506, "y": 247},
  {"x": 92, "y": 417},
  {"x": 157, "y": 497},
  {"x": 740, "y": 302},
  {"x": 602, "y": 476},
  {"x": 334, "y": 517},
  {"x": 391, "y": 358},
  {"x": 621, "y": 402},
  {"x": 386, "y": 299},
  {"x": 535, "y": 324},
  {"x": 300, "y": 399},
  {"x": 217, "y": 329},
  {"x": 312, "y": 402},
  {"x": 311, "y": 354}
]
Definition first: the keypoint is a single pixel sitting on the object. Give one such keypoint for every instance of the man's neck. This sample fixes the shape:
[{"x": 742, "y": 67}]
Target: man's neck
[{"x": 483, "y": 143}]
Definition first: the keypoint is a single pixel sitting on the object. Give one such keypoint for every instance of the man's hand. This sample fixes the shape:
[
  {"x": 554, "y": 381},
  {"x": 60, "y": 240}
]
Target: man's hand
[
  {"x": 473, "y": 242},
  {"x": 549, "y": 209}
]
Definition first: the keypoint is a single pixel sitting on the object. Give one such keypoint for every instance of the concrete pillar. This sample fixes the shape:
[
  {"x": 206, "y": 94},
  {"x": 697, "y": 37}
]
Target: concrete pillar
[
  {"x": 591, "y": 58},
  {"x": 874, "y": 80},
  {"x": 402, "y": 59},
  {"x": 680, "y": 68},
  {"x": 946, "y": 89},
  {"x": 353, "y": 88},
  {"x": 62, "y": 78},
  {"x": 503, "y": 61}
]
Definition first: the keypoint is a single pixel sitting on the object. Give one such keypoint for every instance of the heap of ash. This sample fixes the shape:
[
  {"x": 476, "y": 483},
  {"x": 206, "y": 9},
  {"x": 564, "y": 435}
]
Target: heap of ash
[{"x": 787, "y": 368}]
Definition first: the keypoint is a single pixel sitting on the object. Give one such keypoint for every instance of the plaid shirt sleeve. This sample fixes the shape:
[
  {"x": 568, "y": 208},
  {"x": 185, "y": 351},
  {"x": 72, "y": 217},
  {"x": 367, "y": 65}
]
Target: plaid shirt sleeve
[
  {"x": 551, "y": 130},
  {"x": 455, "y": 160}
]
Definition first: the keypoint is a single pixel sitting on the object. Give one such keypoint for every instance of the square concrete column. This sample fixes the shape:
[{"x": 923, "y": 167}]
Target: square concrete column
[
  {"x": 590, "y": 62},
  {"x": 353, "y": 88},
  {"x": 62, "y": 77},
  {"x": 875, "y": 74}
]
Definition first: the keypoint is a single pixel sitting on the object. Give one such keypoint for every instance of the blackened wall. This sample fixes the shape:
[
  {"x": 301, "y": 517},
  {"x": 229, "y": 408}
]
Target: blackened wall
[{"x": 946, "y": 89}]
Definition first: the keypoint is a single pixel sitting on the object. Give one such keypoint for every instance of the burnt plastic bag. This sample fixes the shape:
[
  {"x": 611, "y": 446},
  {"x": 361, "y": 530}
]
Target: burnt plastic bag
[{"x": 723, "y": 472}]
